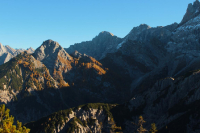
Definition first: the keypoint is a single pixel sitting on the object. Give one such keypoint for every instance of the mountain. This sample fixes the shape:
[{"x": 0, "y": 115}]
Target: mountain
[
  {"x": 152, "y": 71},
  {"x": 168, "y": 51},
  {"x": 162, "y": 64},
  {"x": 173, "y": 104},
  {"x": 53, "y": 56},
  {"x": 49, "y": 80},
  {"x": 192, "y": 11},
  {"x": 6, "y": 53},
  {"x": 83, "y": 72},
  {"x": 98, "y": 47},
  {"x": 30, "y": 50}
]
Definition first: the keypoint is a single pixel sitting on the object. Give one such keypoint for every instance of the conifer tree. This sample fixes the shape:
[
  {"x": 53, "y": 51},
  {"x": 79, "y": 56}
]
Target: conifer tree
[
  {"x": 153, "y": 128},
  {"x": 6, "y": 123},
  {"x": 141, "y": 121}
]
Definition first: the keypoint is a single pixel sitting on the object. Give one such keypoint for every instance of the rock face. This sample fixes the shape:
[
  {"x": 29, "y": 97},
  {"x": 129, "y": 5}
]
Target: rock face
[
  {"x": 192, "y": 11},
  {"x": 170, "y": 102},
  {"x": 53, "y": 56},
  {"x": 85, "y": 118},
  {"x": 102, "y": 44}
]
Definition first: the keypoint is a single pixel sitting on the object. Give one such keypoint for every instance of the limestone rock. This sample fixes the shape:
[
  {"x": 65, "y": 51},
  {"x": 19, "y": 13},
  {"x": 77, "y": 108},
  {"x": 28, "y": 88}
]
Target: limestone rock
[{"x": 192, "y": 11}]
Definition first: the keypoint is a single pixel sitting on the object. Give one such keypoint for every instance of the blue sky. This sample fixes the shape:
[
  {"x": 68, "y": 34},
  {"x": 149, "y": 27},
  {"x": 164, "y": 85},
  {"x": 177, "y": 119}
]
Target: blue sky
[{"x": 27, "y": 23}]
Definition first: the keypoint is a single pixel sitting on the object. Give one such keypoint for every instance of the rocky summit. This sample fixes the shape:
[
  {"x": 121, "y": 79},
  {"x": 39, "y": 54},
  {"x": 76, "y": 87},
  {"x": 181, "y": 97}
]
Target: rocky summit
[
  {"x": 192, "y": 11},
  {"x": 105, "y": 42},
  {"x": 109, "y": 84}
]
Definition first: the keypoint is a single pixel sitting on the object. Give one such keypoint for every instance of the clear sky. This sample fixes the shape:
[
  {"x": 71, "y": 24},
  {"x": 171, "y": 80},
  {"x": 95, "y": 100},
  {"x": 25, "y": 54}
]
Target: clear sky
[{"x": 27, "y": 23}]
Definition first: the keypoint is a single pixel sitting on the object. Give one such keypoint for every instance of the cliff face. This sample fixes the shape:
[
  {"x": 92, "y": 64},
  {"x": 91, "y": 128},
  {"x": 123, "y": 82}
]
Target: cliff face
[
  {"x": 95, "y": 117},
  {"x": 192, "y": 11}
]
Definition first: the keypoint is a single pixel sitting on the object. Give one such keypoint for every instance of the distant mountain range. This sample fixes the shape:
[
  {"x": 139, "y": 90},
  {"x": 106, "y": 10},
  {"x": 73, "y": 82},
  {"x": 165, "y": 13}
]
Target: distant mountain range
[
  {"x": 105, "y": 84},
  {"x": 6, "y": 53}
]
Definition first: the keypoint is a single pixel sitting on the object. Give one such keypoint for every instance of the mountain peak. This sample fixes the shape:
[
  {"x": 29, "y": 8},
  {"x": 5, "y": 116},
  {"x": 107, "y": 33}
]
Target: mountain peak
[
  {"x": 105, "y": 33},
  {"x": 48, "y": 47},
  {"x": 196, "y": 3},
  {"x": 50, "y": 42},
  {"x": 1, "y": 45},
  {"x": 144, "y": 26},
  {"x": 30, "y": 48},
  {"x": 2, "y": 48},
  {"x": 192, "y": 11}
]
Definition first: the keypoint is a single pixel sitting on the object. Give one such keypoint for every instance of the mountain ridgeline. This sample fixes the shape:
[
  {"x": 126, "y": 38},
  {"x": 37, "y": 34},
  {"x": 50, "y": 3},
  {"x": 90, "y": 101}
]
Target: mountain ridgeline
[
  {"x": 6, "y": 53},
  {"x": 106, "y": 84},
  {"x": 102, "y": 44}
]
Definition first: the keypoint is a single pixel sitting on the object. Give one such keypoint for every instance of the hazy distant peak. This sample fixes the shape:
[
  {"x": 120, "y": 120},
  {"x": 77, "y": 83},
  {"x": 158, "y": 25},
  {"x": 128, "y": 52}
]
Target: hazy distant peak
[
  {"x": 21, "y": 49},
  {"x": 30, "y": 48},
  {"x": 8, "y": 47},
  {"x": 1, "y": 45},
  {"x": 2, "y": 49}
]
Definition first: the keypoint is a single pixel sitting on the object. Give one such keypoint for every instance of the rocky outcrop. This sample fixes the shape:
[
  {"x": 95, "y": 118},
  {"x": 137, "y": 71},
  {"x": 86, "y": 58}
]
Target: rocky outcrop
[
  {"x": 192, "y": 11},
  {"x": 86, "y": 118}
]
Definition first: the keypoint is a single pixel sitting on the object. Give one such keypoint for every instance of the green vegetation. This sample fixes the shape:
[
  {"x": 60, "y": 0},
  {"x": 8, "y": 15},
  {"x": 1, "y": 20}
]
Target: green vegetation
[
  {"x": 141, "y": 129},
  {"x": 117, "y": 114},
  {"x": 91, "y": 121},
  {"x": 49, "y": 123},
  {"x": 140, "y": 125},
  {"x": 6, "y": 123},
  {"x": 73, "y": 126},
  {"x": 10, "y": 74},
  {"x": 103, "y": 106},
  {"x": 19, "y": 73}
]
